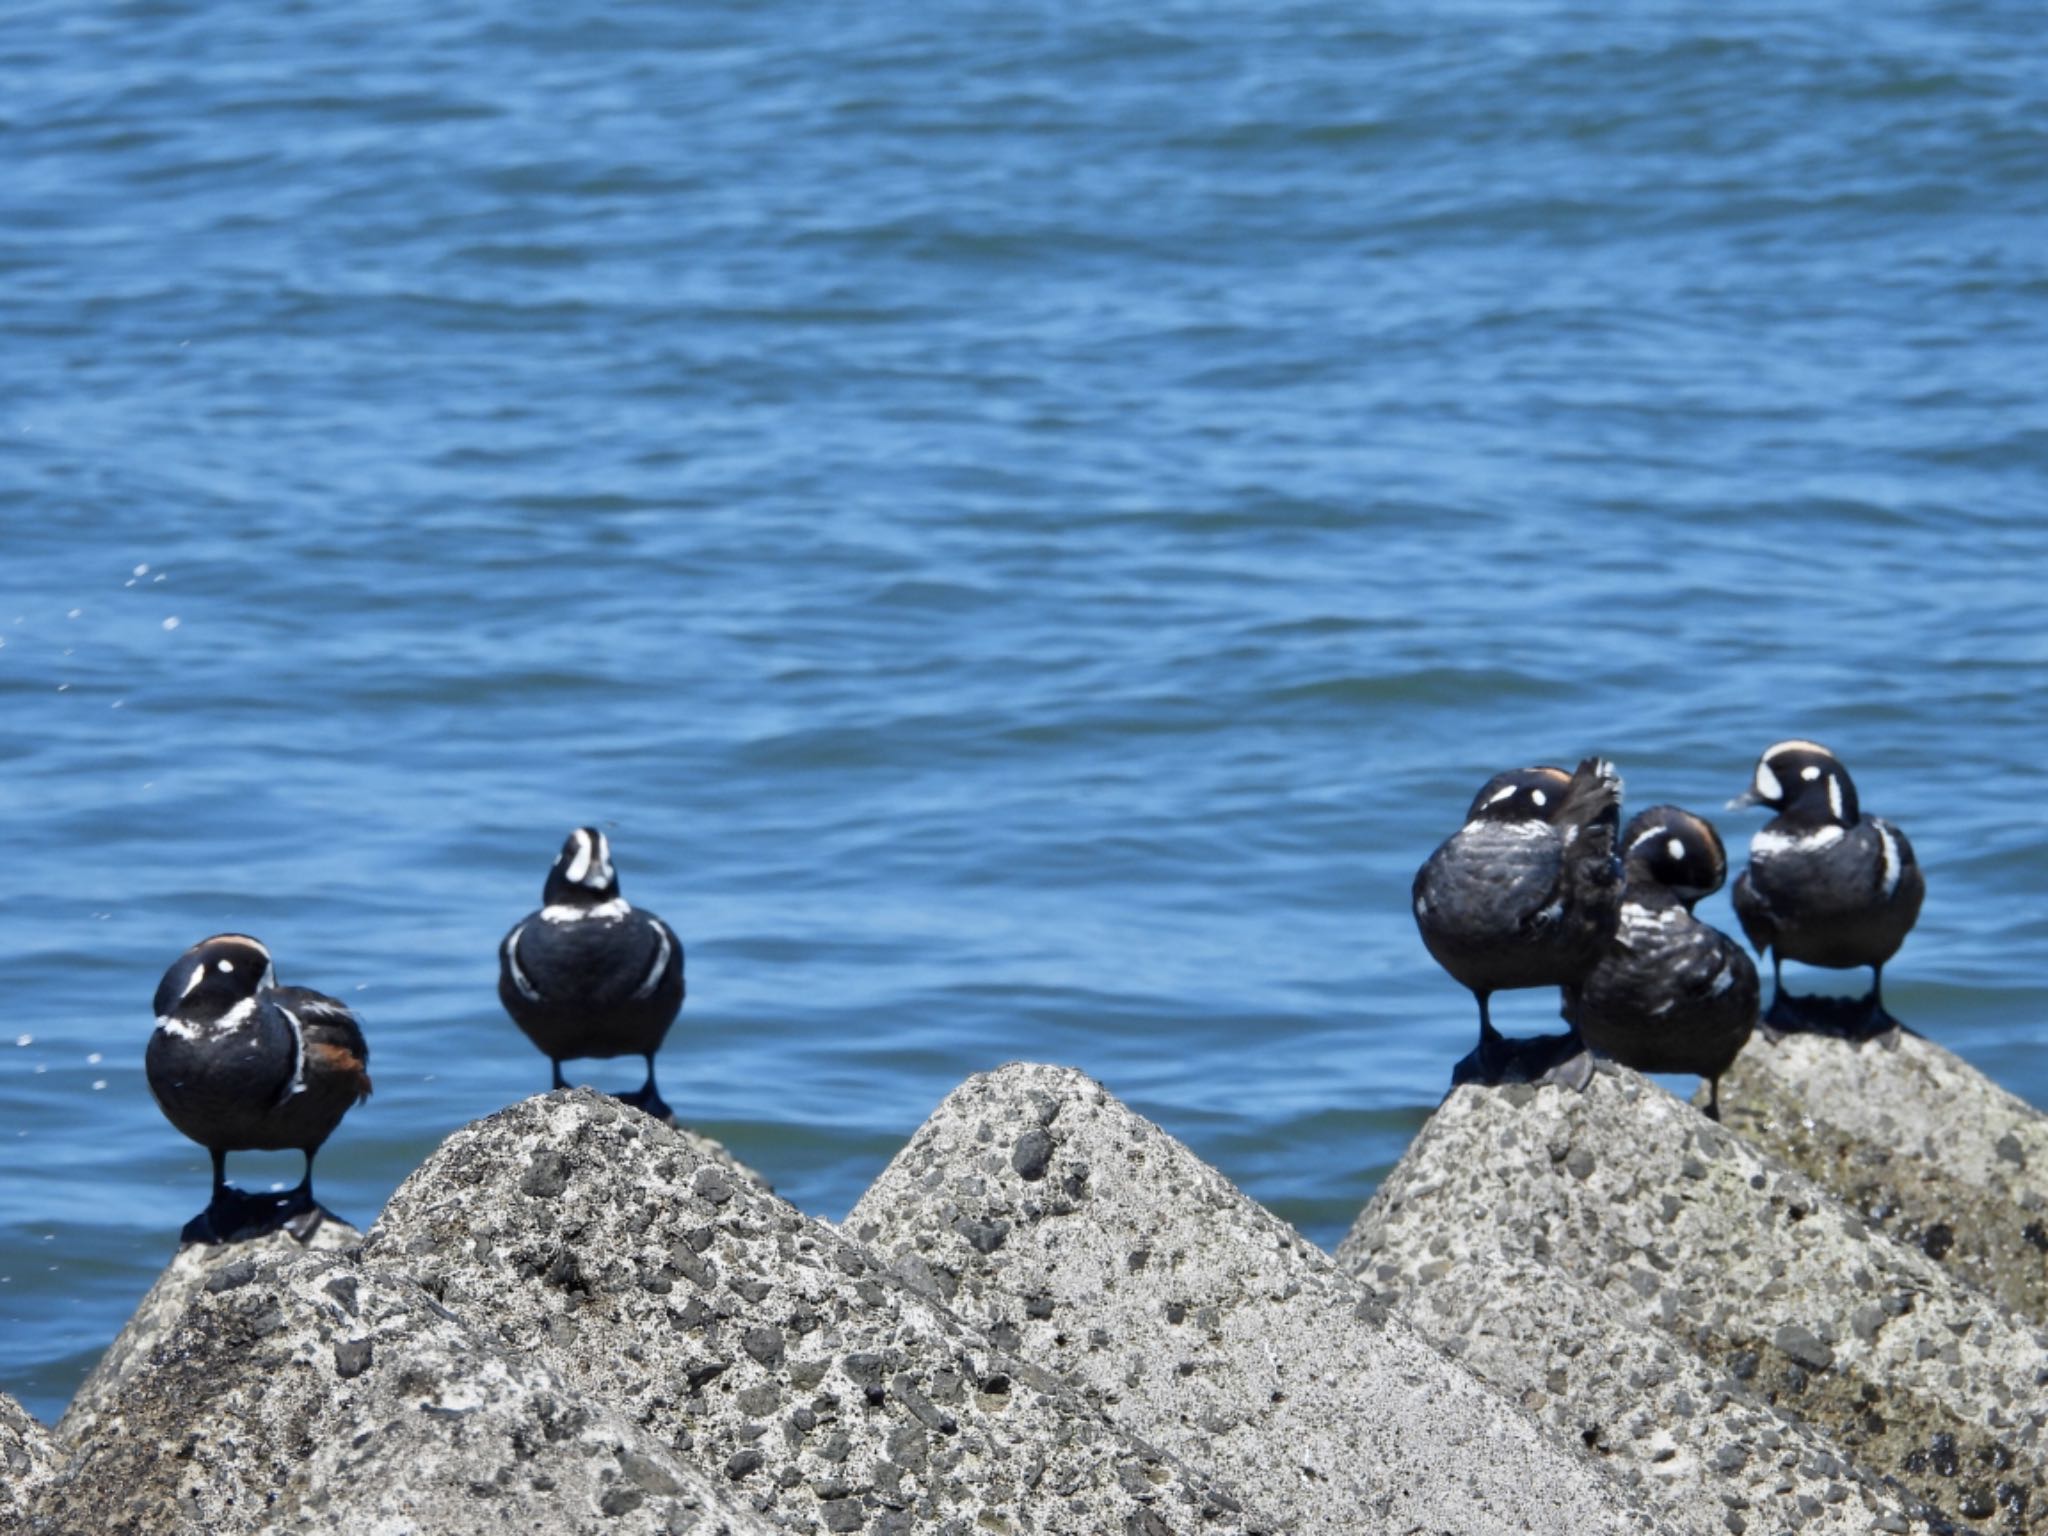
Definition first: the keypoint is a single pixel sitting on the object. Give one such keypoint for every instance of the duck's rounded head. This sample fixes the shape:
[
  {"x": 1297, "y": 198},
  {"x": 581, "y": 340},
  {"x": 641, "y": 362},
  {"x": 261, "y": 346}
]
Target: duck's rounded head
[
  {"x": 582, "y": 874},
  {"x": 1804, "y": 781},
  {"x": 1675, "y": 849},
  {"x": 1521, "y": 794},
  {"x": 214, "y": 976}
]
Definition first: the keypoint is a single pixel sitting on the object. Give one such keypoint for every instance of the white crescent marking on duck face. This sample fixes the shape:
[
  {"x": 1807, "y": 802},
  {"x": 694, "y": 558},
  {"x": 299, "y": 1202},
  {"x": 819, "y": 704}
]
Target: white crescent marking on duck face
[
  {"x": 1835, "y": 796},
  {"x": 579, "y": 861},
  {"x": 512, "y": 964},
  {"x": 1649, "y": 836},
  {"x": 198, "y": 975},
  {"x": 1889, "y": 863},
  {"x": 1500, "y": 794},
  {"x": 646, "y": 988},
  {"x": 1768, "y": 789}
]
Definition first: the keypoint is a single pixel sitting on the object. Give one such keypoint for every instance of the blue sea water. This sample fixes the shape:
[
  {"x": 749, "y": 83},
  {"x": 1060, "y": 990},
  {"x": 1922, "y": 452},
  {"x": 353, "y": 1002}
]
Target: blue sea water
[{"x": 1025, "y": 522}]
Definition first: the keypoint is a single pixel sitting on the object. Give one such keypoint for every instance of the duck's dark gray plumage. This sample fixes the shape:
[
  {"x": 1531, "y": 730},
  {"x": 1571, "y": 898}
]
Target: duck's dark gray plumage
[
  {"x": 589, "y": 975},
  {"x": 1671, "y": 994},
  {"x": 239, "y": 1064},
  {"x": 1526, "y": 893},
  {"x": 1826, "y": 885}
]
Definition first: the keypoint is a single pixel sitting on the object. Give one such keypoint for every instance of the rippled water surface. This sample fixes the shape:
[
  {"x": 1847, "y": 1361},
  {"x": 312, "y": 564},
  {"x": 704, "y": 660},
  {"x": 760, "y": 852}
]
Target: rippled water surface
[{"x": 1026, "y": 523}]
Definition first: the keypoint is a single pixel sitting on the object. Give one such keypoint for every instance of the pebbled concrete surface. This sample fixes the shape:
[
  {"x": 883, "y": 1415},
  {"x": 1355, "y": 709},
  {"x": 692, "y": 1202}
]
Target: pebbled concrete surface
[
  {"x": 29, "y": 1460},
  {"x": 296, "y": 1392},
  {"x": 1086, "y": 1238},
  {"x": 156, "y": 1316},
  {"x": 1917, "y": 1142},
  {"x": 1685, "y": 1228},
  {"x": 762, "y": 1343}
]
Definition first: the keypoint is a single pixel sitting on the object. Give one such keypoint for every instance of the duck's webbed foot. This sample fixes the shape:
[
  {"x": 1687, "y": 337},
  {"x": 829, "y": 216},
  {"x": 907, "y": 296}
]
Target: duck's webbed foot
[
  {"x": 1561, "y": 1059},
  {"x": 226, "y": 1214},
  {"x": 235, "y": 1216},
  {"x": 1841, "y": 1018},
  {"x": 647, "y": 1098}
]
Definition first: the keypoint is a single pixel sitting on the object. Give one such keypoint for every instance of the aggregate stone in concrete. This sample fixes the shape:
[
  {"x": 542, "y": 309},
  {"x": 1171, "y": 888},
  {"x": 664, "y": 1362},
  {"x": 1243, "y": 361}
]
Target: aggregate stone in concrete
[
  {"x": 1638, "y": 1398},
  {"x": 192, "y": 1269},
  {"x": 1086, "y": 1238},
  {"x": 300, "y": 1393},
  {"x": 28, "y": 1460},
  {"x": 1917, "y": 1142},
  {"x": 1685, "y": 1227},
  {"x": 762, "y": 1343}
]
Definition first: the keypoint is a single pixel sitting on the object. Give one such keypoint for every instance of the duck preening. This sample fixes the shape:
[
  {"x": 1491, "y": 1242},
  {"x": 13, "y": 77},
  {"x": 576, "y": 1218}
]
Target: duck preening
[
  {"x": 1525, "y": 894},
  {"x": 1671, "y": 994}
]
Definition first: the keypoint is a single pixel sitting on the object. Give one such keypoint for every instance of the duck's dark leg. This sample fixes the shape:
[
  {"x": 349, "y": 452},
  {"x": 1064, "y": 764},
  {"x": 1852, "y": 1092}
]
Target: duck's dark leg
[
  {"x": 1781, "y": 1015},
  {"x": 1714, "y": 1097},
  {"x": 301, "y": 1214},
  {"x": 1482, "y": 1063},
  {"x": 223, "y": 1213},
  {"x": 556, "y": 1063},
  {"x": 1882, "y": 1025}
]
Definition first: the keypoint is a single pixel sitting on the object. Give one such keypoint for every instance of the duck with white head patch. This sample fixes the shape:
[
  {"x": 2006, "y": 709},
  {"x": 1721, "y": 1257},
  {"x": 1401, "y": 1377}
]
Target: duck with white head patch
[
  {"x": 1826, "y": 884},
  {"x": 239, "y": 1064},
  {"x": 1525, "y": 894},
  {"x": 1671, "y": 994},
  {"x": 589, "y": 975}
]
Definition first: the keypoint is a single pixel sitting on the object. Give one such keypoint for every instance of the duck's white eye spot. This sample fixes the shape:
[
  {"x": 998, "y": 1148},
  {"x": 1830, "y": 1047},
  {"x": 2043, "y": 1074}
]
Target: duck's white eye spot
[
  {"x": 226, "y": 966},
  {"x": 1768, "y": 789},
  {"x": 1675, "y": 848},
  {"x": 1539, "y": 797},
  {"x": 1809, "y": 773}
]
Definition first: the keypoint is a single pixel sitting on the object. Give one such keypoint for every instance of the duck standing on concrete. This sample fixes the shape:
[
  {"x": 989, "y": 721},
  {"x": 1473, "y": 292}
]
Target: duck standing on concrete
[
  {"x": 238, "y": 1063},
  {"x": 1826, "y": 884},
  {"x": 1525, "y": 894},
  {"x": 588, "y": 974},
  {"x": 1671, "y": 994}
]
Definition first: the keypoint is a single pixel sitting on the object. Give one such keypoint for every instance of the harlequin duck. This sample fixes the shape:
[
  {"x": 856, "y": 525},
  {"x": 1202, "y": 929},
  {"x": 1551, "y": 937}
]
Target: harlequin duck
[
  {"x": 588, "y": 975},
  {"x": 1825, "y": 884},
  {"x": 1671, "y": 994},
  {"x": 239, "y": 1063},
  {"x": 1525, "y": 894}
]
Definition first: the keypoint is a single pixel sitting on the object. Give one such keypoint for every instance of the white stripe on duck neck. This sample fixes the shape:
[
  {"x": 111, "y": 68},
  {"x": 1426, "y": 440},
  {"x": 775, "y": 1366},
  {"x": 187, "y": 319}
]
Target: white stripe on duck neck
[
  {"x": 1768, "y": 844},
  {"x": 226, "y": 1024},
  {"x": 606, "y": 911}
]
